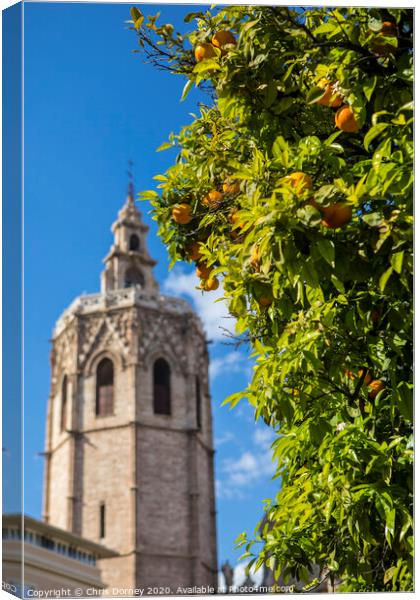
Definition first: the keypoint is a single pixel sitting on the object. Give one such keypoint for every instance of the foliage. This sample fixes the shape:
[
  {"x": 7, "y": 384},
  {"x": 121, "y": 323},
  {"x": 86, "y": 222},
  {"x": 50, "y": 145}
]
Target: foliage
[{"x": 323, "y": 307}]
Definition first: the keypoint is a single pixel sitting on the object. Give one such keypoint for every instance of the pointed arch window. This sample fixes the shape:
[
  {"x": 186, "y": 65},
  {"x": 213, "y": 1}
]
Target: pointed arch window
[
  {"x": 134, "y": 244},
  {"x": 102, "y": 520},
  {"x": 161, "y": 387},
  {"x": 63, "y": 411},
  {"x": 105, "y": 388},
  {"x": 133, "y": 277}
]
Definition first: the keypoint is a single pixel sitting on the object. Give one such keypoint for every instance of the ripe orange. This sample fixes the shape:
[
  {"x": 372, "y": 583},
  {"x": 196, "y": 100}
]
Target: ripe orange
[
  {"x": 389, "y": 29},
  {"x": 330, "y": 98},
  {"x": 222, "y": 38},
  {"x": 204, "y": 50},
  {"x": 231, "y": 187},
  {"x": 265, "y": 301},
  {"x": 336, "y": 215},
  {"x": 299, "y": 181},
  {"x": 368, "y": 376},
  {"x": 234, "y": 217},
  {"x": 367, "y": 379},
  {"x": 345, "y": 120},
  {"x": 375, "y": 387},
  {"x": 209, "y": 285},
  {"x": 181, "y": 213},
  {"x": 194, "y": 251},
  {"x": 213, "y": 199},
  {"x": 375, "y": 315},
  {"x": 203, "y": 271}
]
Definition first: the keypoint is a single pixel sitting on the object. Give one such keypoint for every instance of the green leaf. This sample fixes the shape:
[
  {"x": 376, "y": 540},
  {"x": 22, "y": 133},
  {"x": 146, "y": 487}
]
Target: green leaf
[
  {"x": 164, "y": 146},
  {"x": 397, "y": 261},
  {"x": 135, "y": 13},
  {"x": 192, "y": 15},
  {"x": 327, "y": 251},
  {"x": 139, "y": 23},
  {"x": 186, "y": 89},
  {"x": 279, "y": 146},
  {"x": 314, "y": 94},
  {"x": 369, "y": 85},
  {"x": 384, "y": 278},
  {"x": 373, "y": 133},
  {"x": 309, "y": 215},
  {"x": 390, "y": 526},
  {"x": 373, "y": 219},
  {"x": 338, "y": 284},
  {"x": 208, "y": 64}
]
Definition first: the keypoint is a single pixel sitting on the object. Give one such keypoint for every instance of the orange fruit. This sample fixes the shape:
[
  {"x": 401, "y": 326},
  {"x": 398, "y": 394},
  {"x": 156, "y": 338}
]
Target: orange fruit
[
  {"x": 181, "y": 213},
  {"x": 234, "y": 217},
  {"x": 231, "y": 187},
  {"x": 336, "y": 215},
  {"x": 389, "y": 29},
  {"x": 299, "y": 181},
  {"x": 265, "y": 301},
  {"x": 375, "y": 387},
  {"x": 194, "y": 251},
  {"x": 222, "y": 38},
  {"x": 330, "y": 98},
  {"x": 345, "y": 120},
  {"x": 203, "y": 271},
  {"x": 209, "y": 285},
  {"x": 204, "y": 50},
  {"x": 375, "y": 315},
  {"x": 368, "y": 377},
  {"x": 213, "y": 199}
]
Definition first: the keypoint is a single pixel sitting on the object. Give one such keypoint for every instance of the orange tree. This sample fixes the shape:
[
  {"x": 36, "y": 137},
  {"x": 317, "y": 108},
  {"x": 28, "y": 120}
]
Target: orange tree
[{"x": 294, "y": 187}]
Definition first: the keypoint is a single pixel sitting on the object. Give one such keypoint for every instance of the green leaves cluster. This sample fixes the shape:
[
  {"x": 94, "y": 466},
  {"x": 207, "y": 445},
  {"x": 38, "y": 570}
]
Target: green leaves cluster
[{"x": 325, "y": 309}]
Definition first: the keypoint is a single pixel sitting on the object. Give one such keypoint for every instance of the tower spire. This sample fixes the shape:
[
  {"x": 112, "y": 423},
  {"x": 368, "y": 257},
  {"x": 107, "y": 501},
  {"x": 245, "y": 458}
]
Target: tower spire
[{"x": 128, "y": 263}]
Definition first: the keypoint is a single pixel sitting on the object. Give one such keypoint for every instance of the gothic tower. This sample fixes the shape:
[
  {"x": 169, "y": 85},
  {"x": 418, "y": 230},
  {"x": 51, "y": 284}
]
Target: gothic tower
[{"x": 129, "y": 446}]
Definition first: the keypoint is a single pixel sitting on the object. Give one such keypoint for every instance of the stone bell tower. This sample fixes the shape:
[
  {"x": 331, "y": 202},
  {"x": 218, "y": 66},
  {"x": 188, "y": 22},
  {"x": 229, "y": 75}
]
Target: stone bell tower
[{"x": 129, "y": 445}]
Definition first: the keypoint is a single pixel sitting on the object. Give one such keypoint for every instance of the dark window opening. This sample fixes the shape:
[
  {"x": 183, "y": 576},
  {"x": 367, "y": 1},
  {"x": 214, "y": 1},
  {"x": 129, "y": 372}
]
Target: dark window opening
[
  {"x": 133, "y": 277},
  {"x": 105, "y": 388},
  {"x": 102, "y": 520},
  {"x": 134, "y": 242},
  {"x": 161, "y": 387},
  {"x": 47, "y": 543},
  {"x": 63, "y": 414},
  {"x": 198, "y": 401}
]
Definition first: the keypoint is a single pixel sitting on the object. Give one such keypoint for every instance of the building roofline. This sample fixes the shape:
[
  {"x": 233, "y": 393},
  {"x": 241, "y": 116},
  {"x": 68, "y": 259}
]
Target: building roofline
[{"x": 46, "y": 528}]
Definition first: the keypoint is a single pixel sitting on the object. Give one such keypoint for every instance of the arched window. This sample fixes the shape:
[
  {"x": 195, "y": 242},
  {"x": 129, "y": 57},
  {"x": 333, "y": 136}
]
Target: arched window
[
  {"x": 161, "y": 387},
  {"x": 133, "y": 277},
  {"x": 105, "y": 388},
  {"x": 134, "y": 242},
  {"x": 63, "y": 413},
  {"x": 102, "y": 520},
  {"x": 198, "y": 401}
]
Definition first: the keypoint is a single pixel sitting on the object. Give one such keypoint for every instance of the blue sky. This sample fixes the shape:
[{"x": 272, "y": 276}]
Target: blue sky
[{"x": 90, "y": 105}]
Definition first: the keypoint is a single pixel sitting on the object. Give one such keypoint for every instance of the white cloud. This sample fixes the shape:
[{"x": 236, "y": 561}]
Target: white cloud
[
  {"x": 242, "y": 472},
  {"x": 263, "y": 436},
  {"x": 232, "y": 362},
  {"x": 214, "y": 315},
  {"x": 239, "y": 577},
  {"x": 254, "y": 465},
  {"x": 225, "y": 438}
]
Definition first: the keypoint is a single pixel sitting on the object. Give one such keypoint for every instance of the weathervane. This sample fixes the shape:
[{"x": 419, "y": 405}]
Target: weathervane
[{"x": 130, "y": 180}]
